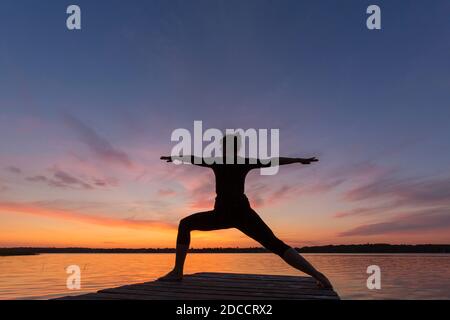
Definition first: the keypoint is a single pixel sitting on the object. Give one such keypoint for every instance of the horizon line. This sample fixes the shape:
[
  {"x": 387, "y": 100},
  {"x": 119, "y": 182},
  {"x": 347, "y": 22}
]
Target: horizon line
[{"x": 239, "y": 248}]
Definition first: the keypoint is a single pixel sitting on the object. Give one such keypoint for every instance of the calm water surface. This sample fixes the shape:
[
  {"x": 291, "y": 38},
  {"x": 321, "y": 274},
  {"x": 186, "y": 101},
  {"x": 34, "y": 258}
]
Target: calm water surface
[{"x": 423, "y": 276}]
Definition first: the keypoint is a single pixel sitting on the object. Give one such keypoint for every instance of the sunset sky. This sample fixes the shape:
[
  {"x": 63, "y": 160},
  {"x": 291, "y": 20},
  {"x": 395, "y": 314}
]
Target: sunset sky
[{"x": 85, "y": 116}]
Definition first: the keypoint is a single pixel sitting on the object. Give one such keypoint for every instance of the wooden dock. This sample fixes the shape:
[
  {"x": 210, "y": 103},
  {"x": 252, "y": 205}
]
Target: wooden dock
[{"x": 218, "y": 286}]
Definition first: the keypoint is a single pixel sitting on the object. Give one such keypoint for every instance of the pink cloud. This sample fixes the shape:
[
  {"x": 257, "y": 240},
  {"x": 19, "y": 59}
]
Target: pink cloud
[
  {"x": 99, "y": 146},
  {"x": 45, "y": 211},
  {"x": 166, "y": 192}
]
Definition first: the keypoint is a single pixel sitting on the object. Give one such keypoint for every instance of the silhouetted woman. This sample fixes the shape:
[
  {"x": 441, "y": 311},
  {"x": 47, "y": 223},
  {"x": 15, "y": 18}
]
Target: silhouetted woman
[{"x": 232, "y": 210}]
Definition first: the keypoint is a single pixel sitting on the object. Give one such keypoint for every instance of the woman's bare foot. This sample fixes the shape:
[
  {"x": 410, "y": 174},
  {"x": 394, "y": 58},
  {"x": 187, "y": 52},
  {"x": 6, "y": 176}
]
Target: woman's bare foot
[
  {"x": 322, "y": 281},
  {"x": 172, "y": 276}
]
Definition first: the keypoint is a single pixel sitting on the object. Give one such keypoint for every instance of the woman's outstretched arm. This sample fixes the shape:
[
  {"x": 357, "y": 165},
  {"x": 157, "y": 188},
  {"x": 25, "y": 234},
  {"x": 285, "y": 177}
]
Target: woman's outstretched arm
[
  {"x": 187, "y": 159},
  {"x": 258, "y": 163},
  {"x": 283, "y": 160}
]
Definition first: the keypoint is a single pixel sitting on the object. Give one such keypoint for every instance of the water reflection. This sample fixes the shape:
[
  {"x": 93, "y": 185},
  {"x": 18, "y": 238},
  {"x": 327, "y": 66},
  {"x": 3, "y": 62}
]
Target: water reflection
[{"x": 403, "y": 276}]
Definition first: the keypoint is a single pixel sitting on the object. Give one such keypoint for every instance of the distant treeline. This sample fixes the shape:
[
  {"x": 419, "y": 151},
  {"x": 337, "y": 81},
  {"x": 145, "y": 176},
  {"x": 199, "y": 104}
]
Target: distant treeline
[
  {"x": 354, "y": 248},
  {"x": 378, "y": 248}
]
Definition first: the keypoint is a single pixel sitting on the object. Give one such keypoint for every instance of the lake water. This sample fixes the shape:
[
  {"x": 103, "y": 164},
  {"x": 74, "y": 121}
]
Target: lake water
[{"x": 403, "y": 276}]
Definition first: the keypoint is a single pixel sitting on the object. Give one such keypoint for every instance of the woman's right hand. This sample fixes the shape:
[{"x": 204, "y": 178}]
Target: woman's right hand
[
  {"x": 166, "y": 158},
  {"x": 308, "y": 160}
]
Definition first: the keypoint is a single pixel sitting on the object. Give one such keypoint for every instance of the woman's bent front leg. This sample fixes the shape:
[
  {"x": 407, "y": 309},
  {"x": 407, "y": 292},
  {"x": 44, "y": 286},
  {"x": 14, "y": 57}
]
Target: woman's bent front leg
[{"x": 203, "y": 221}]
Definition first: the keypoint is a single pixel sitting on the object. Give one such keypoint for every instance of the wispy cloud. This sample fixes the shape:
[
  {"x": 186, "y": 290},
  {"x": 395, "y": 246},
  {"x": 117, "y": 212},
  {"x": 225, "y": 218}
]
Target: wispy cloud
[
  {"x": 105, "y": 182},
  {"x": 401, "y": 204},
  {"x": 364, "y": 211},
  {"x": 98, "y": 145},
  {"x": 405, "y": 190},
  {"x": 66, "y": 179},
  {"x": 46, "y": 211},
  {"x": 423, "y": 221},
  {"x": 264, "y": 193},
  {"x": 60, "y": 179},
  {"x": 393, "y": 193},
  {"x": 166, "y": 192},
  {"x": 13, "y": 169},
  {"x": 63, "y": 179}
]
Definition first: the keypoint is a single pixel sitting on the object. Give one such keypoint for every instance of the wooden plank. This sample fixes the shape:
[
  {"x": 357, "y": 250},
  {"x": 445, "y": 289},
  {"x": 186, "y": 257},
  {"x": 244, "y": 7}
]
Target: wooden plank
[
  {"x": 251, "y": 277},
  {"x": 250, "y": 283},
  {"x": 212, "y": 291},
  {"x": 292, "y": 286},
  {"x": 89, "y": 296},
  {"x": 224, "y": 286},
  {"x": 218, "y": 286},
  {"x": 126, "y": 296},
  {"x": 155, "y": 294}
]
